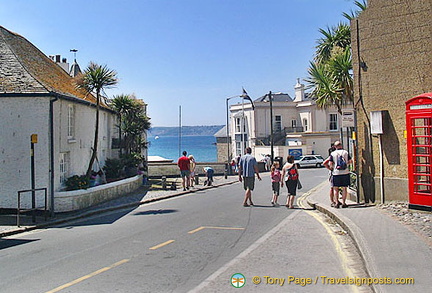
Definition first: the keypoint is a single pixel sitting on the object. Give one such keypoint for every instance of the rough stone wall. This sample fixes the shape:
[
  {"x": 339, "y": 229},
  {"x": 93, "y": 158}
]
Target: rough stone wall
[
  {"x": 222, "y": 152},
  {"x": 392, "y": 38}
]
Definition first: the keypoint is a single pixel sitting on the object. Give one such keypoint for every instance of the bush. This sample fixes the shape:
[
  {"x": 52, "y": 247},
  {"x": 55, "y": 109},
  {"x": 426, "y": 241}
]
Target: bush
[
  {"x": 77, "y": 182},
  {"x": 131, "y": 160},
  {"x": 113, "y": 168}
]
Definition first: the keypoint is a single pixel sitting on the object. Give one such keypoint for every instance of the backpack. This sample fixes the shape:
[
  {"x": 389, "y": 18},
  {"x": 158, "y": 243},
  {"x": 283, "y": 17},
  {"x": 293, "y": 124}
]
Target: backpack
[
  {"x": 341, "y": 163},
  {"x": 292, "y": 173}
]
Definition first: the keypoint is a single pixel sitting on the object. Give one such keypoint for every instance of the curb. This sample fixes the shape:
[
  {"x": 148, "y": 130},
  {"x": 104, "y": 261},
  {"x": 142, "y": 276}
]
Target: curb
[
  {"x": 104, "y": 210},
  {"x": 355, "y": 234}
]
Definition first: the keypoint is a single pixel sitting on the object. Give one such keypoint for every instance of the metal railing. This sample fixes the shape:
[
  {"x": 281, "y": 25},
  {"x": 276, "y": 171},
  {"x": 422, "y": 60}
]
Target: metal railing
[
  {"x": 34, "y": 208},
  {"x": 353, "y": 181}
]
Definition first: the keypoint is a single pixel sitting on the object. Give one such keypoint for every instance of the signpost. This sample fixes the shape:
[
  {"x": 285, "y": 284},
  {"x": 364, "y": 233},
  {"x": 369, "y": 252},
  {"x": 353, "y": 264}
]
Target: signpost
[{"x": 33, "y": 140}]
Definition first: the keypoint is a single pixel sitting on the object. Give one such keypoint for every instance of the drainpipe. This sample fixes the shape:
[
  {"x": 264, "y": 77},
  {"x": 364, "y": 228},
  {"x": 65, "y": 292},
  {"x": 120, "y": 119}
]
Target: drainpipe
[{"x": 51, "y": 138}]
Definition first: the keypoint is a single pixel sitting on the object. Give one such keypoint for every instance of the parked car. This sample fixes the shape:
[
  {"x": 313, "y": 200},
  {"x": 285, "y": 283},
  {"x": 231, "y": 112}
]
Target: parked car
[{"x": 309, "y": 161}]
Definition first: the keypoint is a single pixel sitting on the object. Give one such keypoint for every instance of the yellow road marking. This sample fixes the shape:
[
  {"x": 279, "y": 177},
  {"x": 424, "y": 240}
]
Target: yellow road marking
[
  {"x": 161, "y": 245},
  {"x": 74, "y": 282},
  {"x": 210, "y": 227},
  {"x": 336, "y": 243},
  {"x": 196, "y": 230}
]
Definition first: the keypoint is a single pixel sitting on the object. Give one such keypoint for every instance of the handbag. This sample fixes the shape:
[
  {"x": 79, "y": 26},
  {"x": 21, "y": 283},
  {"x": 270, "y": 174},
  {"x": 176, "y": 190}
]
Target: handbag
[{"x": 299, "y": 185}]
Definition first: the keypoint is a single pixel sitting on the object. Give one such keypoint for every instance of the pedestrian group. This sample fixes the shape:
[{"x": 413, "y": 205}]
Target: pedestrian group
[{"x": 337, "y": 163}]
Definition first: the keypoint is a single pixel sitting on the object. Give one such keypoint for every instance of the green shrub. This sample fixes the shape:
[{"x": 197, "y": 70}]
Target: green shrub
[
  {"x": 113, "y": 168},
  {"x": 77, "y": 182}
]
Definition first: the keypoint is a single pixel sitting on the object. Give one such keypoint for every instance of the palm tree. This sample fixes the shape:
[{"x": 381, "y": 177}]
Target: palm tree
[
  {"x": 121, "y": 104},
  {"x": 353, "y": 14},
  {"x": 96, "y": 78},
  {"x": 330, "y": 75},
  {"x": 339, "y": 36},
  {"x": 132, "y": 122},
  {"x": 135, "y": 122}
]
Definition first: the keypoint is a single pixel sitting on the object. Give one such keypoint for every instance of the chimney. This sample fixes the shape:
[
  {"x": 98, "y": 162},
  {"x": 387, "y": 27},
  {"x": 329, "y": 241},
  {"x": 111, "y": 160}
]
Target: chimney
[
  {"x": 299, "y": 91},
  {"x": 63, "y": 64}
]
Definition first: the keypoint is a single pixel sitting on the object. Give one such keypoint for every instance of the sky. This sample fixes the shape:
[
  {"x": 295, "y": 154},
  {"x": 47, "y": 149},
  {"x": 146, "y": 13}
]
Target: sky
[{"x": 191, "y": 54}]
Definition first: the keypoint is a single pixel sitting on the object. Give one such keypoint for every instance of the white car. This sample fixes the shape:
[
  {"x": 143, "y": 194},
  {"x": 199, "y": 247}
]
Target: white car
[{"x": 309, "y": 161}]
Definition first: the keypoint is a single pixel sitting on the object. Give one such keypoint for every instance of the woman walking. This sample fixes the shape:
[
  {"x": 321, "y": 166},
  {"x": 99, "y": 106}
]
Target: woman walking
[{"x": 291, "y": 176}]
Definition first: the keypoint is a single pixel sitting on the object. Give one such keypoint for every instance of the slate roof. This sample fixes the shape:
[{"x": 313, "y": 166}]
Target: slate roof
[
  {"x": 277, "y": 97},
  {"x": 24, "y": 69}
]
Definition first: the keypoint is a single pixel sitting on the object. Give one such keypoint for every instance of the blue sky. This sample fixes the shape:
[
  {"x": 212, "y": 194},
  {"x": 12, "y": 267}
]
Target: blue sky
[{"x": 193, "y": 53}]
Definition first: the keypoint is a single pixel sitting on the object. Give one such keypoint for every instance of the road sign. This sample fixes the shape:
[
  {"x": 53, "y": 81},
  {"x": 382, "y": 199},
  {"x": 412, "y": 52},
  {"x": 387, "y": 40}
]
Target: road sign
[{"x": 348, "y": 118}]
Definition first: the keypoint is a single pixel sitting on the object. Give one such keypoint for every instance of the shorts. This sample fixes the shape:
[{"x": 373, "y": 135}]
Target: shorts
[
  {"x": 184, "y": 173},
  {"x": 292, "y": 187},
  {"x": 249, "y": 183},
  {"x": 276, "y": 188},
  {"x": 331, "y": 179},
  {"x": 341, "y": 180}
]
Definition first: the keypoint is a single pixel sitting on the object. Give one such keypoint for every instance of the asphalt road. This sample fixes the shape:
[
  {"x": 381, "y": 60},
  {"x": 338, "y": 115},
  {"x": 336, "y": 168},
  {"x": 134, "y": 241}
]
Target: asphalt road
[{"x": 167, "y": 246}]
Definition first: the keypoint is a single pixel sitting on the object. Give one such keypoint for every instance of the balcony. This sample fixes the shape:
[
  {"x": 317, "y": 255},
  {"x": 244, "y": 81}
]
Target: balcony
[{"x": 293, "y": 129}]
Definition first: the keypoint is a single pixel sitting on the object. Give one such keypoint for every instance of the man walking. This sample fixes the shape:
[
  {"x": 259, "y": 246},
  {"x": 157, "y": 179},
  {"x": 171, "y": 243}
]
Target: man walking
[
  {"x": 337, "y": 163},
  {"x": 248, "y": 167},
  {"x": 184, "y": 164}
]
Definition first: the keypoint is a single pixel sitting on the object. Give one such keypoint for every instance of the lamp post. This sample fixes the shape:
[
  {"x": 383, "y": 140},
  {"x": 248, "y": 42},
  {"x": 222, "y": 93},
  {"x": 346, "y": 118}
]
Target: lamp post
[
  {"x": 244, "y": 95},
  {"x": 271, "y": 128}
]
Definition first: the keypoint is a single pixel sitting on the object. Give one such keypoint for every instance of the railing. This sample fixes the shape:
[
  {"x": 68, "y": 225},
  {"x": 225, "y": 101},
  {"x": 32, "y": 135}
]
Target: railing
[
  {"x": 33, "y": 209},
  {"x": 293, "y": 129},
  {"x": 353, "y": 181}
]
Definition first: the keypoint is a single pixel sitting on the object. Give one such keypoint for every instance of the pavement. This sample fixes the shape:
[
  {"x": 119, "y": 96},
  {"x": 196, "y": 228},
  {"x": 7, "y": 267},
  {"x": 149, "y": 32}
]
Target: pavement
[{"x": 389, "y": 250}]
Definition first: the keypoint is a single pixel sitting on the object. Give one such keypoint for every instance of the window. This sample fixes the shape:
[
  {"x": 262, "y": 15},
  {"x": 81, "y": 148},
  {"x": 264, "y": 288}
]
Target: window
[
  {"x": 278, "y": 123},
  {"x": 238, "y": 125},
  {"x": 71, "y": 122},
  {"x": 293, "y": 123},
  {"x": 333, "y": 122},
  {"x": 64, "y": 167},
  {"x": 238, "y": 148},
  {"x": 305, "y": 124}
]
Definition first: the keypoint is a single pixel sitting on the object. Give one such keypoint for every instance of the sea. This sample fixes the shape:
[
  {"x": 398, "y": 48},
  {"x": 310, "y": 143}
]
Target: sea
[{"x": 203, "y": 148}]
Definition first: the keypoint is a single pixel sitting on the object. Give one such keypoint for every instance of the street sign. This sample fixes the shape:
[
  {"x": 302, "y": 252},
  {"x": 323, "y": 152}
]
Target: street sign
[
  {"x": 34, "y": 138},
  {"x": 348, "y": 118}
]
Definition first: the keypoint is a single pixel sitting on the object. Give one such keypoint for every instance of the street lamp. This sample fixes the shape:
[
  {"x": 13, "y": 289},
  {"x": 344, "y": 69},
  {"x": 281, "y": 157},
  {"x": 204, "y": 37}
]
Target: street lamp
[
  {"x": 270, "y": 99},
  {"x": 271, "y": 128}
]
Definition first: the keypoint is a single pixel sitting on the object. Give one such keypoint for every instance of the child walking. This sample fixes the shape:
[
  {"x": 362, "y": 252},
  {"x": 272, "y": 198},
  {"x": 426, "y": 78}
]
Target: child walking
[{"x": 276, "y": 182}]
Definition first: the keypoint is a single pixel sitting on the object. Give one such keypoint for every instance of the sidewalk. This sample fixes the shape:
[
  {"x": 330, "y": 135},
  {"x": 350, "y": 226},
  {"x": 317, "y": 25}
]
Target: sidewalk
[{"x": 389, "y": 249}]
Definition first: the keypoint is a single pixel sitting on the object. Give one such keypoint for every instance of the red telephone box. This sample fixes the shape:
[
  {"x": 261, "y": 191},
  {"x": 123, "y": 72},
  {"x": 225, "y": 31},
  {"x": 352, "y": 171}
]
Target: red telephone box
[{"x": 419, "y": 146}]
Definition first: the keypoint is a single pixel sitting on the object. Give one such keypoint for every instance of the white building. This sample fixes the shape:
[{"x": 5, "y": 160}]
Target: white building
[
  {"x": 299, "y": 126},
  {"x": 38, "y": 97}
]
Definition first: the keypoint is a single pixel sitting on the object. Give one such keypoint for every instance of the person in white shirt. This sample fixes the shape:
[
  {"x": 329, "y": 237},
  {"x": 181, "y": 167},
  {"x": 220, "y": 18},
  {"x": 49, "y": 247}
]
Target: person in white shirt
[{"x": 338, "y": 163}]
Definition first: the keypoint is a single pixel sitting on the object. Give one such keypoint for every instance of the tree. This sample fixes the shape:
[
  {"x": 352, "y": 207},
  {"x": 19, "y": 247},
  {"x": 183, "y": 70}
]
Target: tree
[
  {"x": 121, "y": 104},
  {"x": 94, "y": 79},
  {"x": 335, "y": 37},
  {"x": 133, "y": 121},
  {"x": 330, "y": 74},
  {"x": 353, "y": 14}
]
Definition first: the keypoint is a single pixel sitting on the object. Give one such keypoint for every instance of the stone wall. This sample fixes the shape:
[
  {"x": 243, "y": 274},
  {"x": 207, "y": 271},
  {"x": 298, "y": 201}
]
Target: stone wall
[
  {"x": 392, "y": 39},
  {"x": 172, "y": 170},
  {"x": 66, "y": 201}
]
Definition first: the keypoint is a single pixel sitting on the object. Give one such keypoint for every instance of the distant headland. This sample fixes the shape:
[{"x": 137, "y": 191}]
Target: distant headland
[{"x": 204, "y": 130}]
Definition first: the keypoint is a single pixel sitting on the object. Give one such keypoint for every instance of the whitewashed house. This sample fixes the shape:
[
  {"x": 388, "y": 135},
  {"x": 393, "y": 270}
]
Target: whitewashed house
[
  {"x": 299, "y": 126},
  {"x": 38, "y": 97}
]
